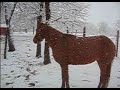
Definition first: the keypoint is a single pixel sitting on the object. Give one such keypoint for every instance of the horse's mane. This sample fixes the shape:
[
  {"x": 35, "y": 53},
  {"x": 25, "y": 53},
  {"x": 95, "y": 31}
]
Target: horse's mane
[
  {"x": 69, "y": 35},
  {"x": 55, "y": 30},
  {"x": 59, "y": 32}
]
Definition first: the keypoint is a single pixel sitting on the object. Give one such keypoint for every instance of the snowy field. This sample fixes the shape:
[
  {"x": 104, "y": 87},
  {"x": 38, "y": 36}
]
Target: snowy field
[{"x": 22, "y": 69}]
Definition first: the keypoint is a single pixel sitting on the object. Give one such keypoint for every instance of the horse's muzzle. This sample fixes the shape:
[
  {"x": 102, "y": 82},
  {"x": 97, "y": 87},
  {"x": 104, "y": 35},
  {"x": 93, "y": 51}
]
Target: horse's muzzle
[{"x": 34, "y": 41}]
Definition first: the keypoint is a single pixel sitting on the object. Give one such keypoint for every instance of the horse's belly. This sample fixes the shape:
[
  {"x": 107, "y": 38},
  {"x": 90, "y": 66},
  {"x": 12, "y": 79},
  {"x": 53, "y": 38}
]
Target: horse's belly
[{"x": 82, "y": 59}]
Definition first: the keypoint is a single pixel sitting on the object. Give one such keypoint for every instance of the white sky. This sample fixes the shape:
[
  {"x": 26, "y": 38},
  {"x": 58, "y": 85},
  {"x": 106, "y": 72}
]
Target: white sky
[{"x": 104, "y": 11}]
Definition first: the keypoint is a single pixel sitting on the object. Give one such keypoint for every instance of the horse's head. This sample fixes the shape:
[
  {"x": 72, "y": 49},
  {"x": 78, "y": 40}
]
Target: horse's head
[{"x": 40, "y": 33}]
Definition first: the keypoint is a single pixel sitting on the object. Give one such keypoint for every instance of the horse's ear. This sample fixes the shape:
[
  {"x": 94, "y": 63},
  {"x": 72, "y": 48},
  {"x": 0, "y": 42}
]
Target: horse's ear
[
  {"x": 46, "y": 23},
  {"x": 42, "y": 23}
]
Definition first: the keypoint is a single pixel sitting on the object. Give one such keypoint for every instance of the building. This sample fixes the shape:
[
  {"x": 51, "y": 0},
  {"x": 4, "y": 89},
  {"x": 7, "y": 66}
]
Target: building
[{"x": 3, "y": 29}]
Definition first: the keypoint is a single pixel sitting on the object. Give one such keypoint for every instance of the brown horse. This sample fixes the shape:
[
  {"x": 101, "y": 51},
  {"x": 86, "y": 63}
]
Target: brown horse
[{"x": 69, "y": 49}]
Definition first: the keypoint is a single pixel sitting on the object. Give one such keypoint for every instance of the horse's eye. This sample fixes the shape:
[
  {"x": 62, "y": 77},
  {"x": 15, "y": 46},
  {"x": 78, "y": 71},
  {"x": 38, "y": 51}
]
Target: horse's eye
[{"x": 38, "y": 34}]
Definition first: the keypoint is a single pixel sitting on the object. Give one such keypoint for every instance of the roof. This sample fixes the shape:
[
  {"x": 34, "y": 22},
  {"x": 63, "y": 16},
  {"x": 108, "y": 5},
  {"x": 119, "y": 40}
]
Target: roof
[{"x": 3, "y": 25}]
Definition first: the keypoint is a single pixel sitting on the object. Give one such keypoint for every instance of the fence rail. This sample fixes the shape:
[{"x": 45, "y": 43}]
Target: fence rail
[{"x": 83, "y": 33}]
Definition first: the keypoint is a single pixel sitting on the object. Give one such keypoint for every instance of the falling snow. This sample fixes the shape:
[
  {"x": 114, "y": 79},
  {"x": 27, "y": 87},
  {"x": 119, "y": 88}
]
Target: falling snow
[{"x": 22, "y": 70}]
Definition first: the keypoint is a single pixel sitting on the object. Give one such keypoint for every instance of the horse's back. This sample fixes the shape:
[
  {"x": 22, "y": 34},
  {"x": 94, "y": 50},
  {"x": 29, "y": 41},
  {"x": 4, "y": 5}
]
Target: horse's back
[{"x": 88, "y": 49}]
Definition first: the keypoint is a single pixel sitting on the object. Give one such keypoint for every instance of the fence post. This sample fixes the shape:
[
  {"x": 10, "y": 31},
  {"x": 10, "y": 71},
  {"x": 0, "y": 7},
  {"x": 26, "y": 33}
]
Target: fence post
[
  {"x": 33, "y": 30},
  {"x": 84, "y": 32},
  {"x": 67, "y": 31},
  {"x": 117, "y": 42},
  {"x": 76, "y": 33}
]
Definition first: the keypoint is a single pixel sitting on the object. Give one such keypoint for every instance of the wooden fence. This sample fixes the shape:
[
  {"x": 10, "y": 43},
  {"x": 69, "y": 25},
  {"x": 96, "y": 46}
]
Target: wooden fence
[{"x": 83, "y": 33}]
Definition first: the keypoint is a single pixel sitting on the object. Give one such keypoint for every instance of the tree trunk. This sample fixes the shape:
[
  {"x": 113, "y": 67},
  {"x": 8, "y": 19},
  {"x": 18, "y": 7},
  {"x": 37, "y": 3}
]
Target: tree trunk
[
  {"x": 5, "y": 48},
  {"x": 38, "y": 51},
  {"x": 46, "y": 50},
  {"x": 46, "y": 54},
  {"x": 6, "y": 36},
  {"x": 10, "y": 42}
]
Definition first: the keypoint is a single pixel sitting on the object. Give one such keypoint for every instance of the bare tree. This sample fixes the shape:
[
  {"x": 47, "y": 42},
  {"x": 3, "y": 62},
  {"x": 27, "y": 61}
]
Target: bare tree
[
  {"x": 39, "y": 20},
  {"x": 46, "y": 50},
  {"x": 2, "y": 19},
  {"x": 27, "y": 13},
  {"x": 21, "y": 18},
  {"x": 10, "y": 42},
  {"x": 70, "y": 15},
  {"x": 118, "y": 24},
  {"x": 64, "y": 15},
  {"x": 8, "y": 17}
]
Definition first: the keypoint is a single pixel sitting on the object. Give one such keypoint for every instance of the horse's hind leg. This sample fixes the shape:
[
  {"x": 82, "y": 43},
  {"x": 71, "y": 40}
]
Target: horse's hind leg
[{"x": 105, "y": 70}]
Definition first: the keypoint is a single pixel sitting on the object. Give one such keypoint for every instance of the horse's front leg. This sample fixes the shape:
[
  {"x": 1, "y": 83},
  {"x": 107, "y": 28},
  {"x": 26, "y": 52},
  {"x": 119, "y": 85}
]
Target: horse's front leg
[{"x": 65, "y": 76}]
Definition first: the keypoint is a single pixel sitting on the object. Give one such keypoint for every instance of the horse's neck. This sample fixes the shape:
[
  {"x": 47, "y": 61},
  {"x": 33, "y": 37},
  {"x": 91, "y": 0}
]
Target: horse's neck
[{"x": 53, "y": 36}]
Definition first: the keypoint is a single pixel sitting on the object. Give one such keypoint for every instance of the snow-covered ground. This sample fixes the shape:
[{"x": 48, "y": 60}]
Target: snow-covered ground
[{"x": 22, "y": 69}]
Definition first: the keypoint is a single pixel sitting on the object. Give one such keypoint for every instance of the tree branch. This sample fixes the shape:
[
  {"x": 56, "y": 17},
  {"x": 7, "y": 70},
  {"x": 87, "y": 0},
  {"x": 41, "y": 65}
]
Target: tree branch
[{"x": 12, "y": 11}]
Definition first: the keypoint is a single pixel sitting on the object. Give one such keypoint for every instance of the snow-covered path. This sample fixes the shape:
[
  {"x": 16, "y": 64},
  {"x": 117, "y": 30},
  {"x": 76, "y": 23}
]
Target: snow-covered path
[{"x": 22, "y": 70}]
